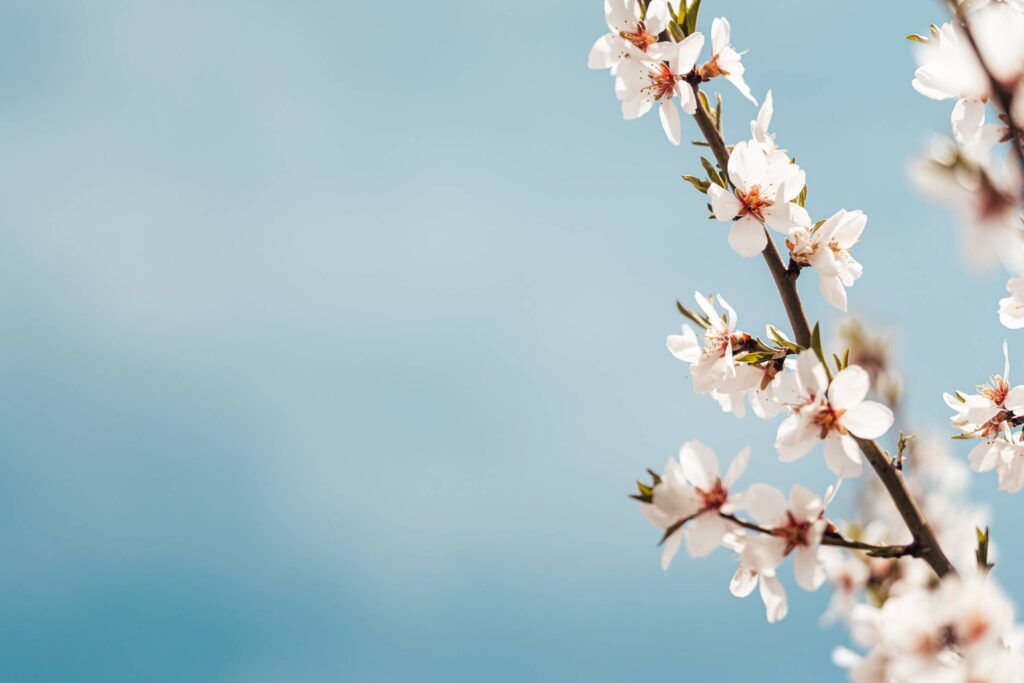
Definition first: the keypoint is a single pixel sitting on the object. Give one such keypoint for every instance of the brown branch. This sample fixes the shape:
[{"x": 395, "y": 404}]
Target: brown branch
[
  {"x": 837, "y": 540},
  {"x": 785, "y": 279},
  {"x": 927, "y": 546}
]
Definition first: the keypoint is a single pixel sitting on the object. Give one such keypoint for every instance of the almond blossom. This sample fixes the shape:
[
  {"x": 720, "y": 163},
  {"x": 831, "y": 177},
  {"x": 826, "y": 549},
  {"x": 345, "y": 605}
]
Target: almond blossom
[
  {"x": 631, "y": 40},
  {"x": 747, "y": 578},
  {"x": 766, "y": 183},
  {"x": 826, "y": 248},
  {"x": 663, "y": 82},
  {"x": 725, "y": 60},
  {"x": 797, "y": 526},
  {"x": 986, "y": 415},
  {"x": 759, "y": 126},
  {"x": 833, "y": 412},
  {"x": 690, "y": 498},
  {"x": 712, "y": 366}
]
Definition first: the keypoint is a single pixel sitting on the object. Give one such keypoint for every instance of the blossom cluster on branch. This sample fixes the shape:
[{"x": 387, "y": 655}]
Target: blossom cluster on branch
[
  {"x": 911, "y": 578},
  {"x": 977, "y": 60}
]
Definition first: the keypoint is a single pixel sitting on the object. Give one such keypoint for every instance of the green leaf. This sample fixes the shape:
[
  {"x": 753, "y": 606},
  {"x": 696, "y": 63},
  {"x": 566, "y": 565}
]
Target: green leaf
[
  {"x": 755, "y": 357},
  {"x": 699, "y": 143},
  {"x": 691, "y": 17},
  {"x": 846, "y": 359},
  {"x": 816, "y": 345},
  {"x": 699, "y": 320},
  {"x": 913, "y": 37},
  {"x": 676, "y": 31},
  {"x": 802, "y": 199},
  {"x": 712, "y": 172},
  {"x": 780, "y": 339},
  {"x": 718, "y": 113},
  {"x": 671, "y": 530},
  {"x": 982, "y": 552},
  {"x": 838, "y": 361},
  {"x": 935, "y": 30},
  {"x": 698, "y": 184}
]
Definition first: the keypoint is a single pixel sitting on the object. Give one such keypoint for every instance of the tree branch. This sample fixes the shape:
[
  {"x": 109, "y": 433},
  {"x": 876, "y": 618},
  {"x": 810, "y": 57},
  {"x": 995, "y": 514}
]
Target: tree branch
[
  {"x": 836, "y": 540},
  {"x": 927, "y": 546}
]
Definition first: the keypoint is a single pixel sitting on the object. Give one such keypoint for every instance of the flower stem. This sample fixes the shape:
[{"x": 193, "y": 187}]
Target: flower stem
[
  {"x": 926, "y": 545},
  {"x": 838, "y": 541}
]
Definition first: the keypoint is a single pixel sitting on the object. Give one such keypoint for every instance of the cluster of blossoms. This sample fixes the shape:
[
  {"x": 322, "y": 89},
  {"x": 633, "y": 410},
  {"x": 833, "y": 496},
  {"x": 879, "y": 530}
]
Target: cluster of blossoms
[
  {"x": 992, "y": 415},
  {"x": 776, "y": 377},
  {"x": 979, "y": 171},
  {"x": 894, "y": 574}
]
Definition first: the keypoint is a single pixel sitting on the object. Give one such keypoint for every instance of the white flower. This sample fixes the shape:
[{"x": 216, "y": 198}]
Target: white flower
[
  {"x": 827, "y": 250},
  {"x": 848, "y": 573},
  {"x": 663, "y": 82},
  {"x": 797, "y": 525},
  {"x": 759, "y": 126},
  {"x": 1011, "y": 308},
  {"x": 630, "y": 40},
  {"x": 949, "y": 68},
  {"x": 725, "y": 60},
  {"x": 986, "y": 415},
  {"x": 711, "y": 366},
  {"x": 773, "y": 594},
  {"x": 833, "y": 412},
  {"x": 966, "y": 617},
  {"x": 766, "y": 184},
  {"x": 758, "y": 384},
  {"x": 691, "y": 497},
  {"x": 988, "y": 199}
]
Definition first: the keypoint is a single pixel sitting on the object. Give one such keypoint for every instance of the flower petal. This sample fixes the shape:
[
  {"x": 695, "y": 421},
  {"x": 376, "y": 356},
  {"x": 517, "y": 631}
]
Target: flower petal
[
  {"x": 849, "y": 387},
  {"x": 747, "y": 237},
  {"x": 765, "y": 503},
  {"x": 774, "y": 597},
  {"x": 670, "y": 121},
  {"x": 737, "y": 467},
  {"x": 842, "y": 456},
  {"x": 869, "y": 420},
  {"x": 700, "y": 466},
  {"x": 724, "y": 204},
  {"x": 807, "y": 569}
]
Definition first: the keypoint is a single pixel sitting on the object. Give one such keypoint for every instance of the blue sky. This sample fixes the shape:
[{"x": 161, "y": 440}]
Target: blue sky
[{"x": 334, "y": 336}]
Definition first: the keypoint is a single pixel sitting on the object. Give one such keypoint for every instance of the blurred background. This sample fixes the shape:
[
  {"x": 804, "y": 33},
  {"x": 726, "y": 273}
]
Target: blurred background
[{"x": 332, "y": 336}]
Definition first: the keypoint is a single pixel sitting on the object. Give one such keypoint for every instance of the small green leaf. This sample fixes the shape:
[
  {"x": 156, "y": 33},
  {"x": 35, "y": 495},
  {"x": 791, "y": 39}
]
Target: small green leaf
[
  {"x": 698, "y": 184},
  {"x": 699, "y": 143},
  {"x": 699, "y": 320},
  {"x": 718, "y": 112},
  {"x": 691, "y": 17},
  {"x": 676, "y": 31},
  {"x": 802, "y": 199},
  {"x": 913, "y": 37},
  {"x": 982, "y": 552},
  {"x": 712, "y": 172},
  {"x": 818, "y": 351}
]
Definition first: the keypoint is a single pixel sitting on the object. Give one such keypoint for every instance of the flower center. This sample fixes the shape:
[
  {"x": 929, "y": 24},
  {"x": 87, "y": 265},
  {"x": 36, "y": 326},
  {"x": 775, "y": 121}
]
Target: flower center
[
  {"x": 753, "y": 204},
  {"x": 639, "y": 37},
  {"x": 663, "y": 82},
  {"x": 711, "y": 70},
  {"x": 793, "y": 532},
  {"x": 715, "y": 497},
  {"x": 827, "y": 420},
  {"x": 996, "y": 391}
]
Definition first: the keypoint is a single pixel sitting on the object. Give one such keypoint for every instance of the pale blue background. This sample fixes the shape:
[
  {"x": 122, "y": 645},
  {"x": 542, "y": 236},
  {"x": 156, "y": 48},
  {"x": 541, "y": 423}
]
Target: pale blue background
[{"x": 332, "y": 336}]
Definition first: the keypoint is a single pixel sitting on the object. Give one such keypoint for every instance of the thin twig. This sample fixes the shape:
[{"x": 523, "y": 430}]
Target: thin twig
[
  {"x": 926, "y": 545},
  {"x": 837, "y": 540}
]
